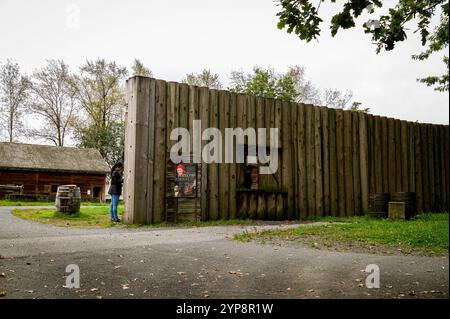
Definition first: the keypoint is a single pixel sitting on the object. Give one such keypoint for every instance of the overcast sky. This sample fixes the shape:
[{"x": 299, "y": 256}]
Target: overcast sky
[{"x": 175, "y": 37}]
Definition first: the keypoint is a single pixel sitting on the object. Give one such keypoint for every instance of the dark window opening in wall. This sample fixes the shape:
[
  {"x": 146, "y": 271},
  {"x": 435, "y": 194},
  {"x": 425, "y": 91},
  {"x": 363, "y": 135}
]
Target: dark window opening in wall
[
  {"x": 249, "y": 176},
  {"x": 54, "y": 188},
  {"x": 96, "y": 192}
]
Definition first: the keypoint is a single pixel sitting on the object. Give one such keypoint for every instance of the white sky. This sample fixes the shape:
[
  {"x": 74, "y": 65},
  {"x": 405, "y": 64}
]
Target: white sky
[{"x": 175, "y": 37}]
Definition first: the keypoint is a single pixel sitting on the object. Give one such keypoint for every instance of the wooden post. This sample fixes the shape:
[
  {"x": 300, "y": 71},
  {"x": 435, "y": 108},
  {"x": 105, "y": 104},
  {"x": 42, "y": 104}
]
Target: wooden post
[
  {"x": 364, "y": 162},
  {"x": 139, "y": 123},
  {"x": 159, "y": 171},
  {"x": 340, "y": 161},
  {"x": 334, "y": 205},
  {"x": 348, "y": 165}
]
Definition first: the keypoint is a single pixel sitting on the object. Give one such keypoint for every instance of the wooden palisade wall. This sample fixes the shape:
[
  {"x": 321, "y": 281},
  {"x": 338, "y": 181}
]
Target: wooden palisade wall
[{"x": 331, "y": 160}]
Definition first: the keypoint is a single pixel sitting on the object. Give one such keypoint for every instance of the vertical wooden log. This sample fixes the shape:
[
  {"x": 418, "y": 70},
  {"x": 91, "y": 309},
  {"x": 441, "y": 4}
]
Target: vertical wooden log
[
  {"x": 318, "y": 161},
  {"x": 334, "y": 205},
  {"x": 391, "y": 152},
  {"x": 262, "y": 207},
  {"x": 310, "y": 160},
  {"x": 431, "y": 163},
  {"x": 295, "y": 159},
  {"x": 252, "y": 205},
  {"x": 326, "y": 161},
  {"x": 378, "y": 155},
  {"x": 224, "y": 187},
  {"x": 271, "y": 206},
  {"x": 356, "y": 161},
  {"x": 369, "y": 119},
  {"x": 340, "y": 160},
  {"x": 446, "y": 144},
  {"x": 348, "y": 158},
  {"x": 213, "y": 168},
  {"x": 418, "y": 166},
  {"x": 204, "y": 117},
  {"x": 385, "y": 153},
  {"x": 287, "y": 159},
  {"x": 233, "y": 166},
  {"x": 444, "y": 162},
  {"x": 159, "y": 173},
  {"x": 437, "y": 168},
  {"x": 404, "y": 160},
  {"x": 137, "y": 148},
  {"x": 301, "y": 161},
  {"x": 411, "y": 158},
  {"x": 280, "y": 207},
  {"x": 364, "y": 161},
  {"x": 398, "y": 157},
  {"x": 425, "y": 172}
]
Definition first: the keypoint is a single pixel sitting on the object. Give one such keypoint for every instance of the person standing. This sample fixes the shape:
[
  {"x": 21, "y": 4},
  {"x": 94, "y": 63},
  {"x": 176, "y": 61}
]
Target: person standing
[{"x": 115, "y": 190}]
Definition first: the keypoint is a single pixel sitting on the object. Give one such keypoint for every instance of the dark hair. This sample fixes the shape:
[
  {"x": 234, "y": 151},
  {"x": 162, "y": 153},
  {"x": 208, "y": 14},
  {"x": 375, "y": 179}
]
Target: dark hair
[{"x": 117, "y": 165}]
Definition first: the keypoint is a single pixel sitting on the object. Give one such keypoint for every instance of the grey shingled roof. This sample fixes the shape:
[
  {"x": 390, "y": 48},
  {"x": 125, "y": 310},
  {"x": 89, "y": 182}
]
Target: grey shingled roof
[{"x": 51, "y": 158}]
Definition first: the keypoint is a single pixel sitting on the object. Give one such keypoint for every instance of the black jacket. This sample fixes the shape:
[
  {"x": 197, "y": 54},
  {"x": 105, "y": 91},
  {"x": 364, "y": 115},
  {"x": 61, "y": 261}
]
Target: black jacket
[{"x": 116, "y": 184}]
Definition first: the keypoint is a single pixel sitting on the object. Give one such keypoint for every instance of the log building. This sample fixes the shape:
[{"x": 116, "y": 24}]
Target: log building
[{"x": 40, "y": 169}]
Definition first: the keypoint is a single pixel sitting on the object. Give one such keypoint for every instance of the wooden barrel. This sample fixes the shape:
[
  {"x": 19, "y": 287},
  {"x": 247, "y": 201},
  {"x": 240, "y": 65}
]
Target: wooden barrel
[
  {"x": 68, "y": 199},
  {"x": 378, "y": 204},
  {"x": 409, "y": 198}
]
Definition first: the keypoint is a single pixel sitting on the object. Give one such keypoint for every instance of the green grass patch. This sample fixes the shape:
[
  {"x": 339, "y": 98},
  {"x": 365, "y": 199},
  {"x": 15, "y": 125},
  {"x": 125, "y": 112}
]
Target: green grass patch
[
  {"x": 427, "y": 233},
  {"x": 99, "y": 217},
  {"x": 6, "y": 202},
  {"x": 87, "y": 217}
]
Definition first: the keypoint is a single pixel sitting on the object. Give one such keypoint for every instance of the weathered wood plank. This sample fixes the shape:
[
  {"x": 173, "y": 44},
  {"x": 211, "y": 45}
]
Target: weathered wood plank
[
  {"x": 348, "y": 158},
  {"x": 364, "y": 160},
  {"x": 159, "y": 173},
  {"x": 310, "y": 159},
  {"x": 213, "y": 168},
  {"x": 233, "y": 166},
  {"x": 385, "y": 153},
  {"x": 224, "y": 187},
  {"x": 425, "y": 171},
  {"x": 356, "y": 161},
  {"x": 287, "y": 159},
  {"x": 340, "y": 160},
  {"x": 398, "y": 157},
  {"x": 391, "y": 155},
  {"x": 318, "y": 160},
  {"x": 301, "y": 161},
  {"x": 334, "y": 205},
  {"x": 418, "y": 166},
  {"x": 326, "y": 161},
  {"x": 431, "y": 163},
  {"x": 405, "y": 157},
  {"x": 204, "y": 117}
]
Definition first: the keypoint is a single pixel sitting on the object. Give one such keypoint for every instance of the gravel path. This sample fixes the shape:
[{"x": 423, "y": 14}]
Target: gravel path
[{"x": 196, "y": 263}]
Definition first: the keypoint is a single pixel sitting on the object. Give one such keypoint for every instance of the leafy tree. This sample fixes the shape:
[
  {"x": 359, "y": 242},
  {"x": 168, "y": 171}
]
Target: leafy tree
[
  {"x": 54, "y": 101},
  {"x": 139, "y": 68},
  {"x": 264, "y": 83},
  {"x": 99, "y": 92},
  {"x": 108, "y": 139},
  {"x": 302, "y": 18},
  {"x": 14, "y": 94},
  {"x": 357, "y": 107},
  {"x": 206, "y": 78}
]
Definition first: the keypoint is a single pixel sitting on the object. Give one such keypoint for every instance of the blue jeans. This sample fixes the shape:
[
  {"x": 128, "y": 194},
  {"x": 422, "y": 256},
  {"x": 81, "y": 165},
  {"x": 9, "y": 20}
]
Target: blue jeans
[{"x": 113, "y": 208}]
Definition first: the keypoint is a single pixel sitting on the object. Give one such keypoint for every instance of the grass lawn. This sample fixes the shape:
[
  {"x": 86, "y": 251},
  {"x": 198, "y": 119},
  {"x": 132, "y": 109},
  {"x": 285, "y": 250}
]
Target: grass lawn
[
  {"x": 87, "y": 217},
  {"x": 425, "y": 234},
  {"x": 99, "y": 217},
  {"x": 6, "y": 202}
]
